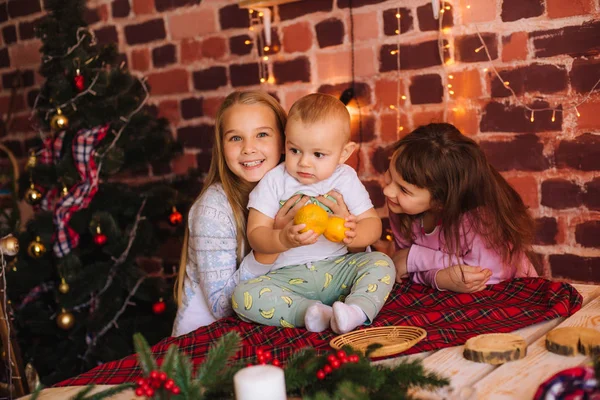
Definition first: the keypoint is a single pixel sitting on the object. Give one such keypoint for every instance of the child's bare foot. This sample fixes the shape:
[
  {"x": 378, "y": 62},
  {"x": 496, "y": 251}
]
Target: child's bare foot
[
  {"x": 346, "y": 317},
  {"x": 317, "y": 317}
]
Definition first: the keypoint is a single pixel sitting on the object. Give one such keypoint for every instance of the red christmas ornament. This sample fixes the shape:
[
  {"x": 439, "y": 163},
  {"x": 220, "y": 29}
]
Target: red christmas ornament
[
  {"x": 100, "y": 239},
  {"x": 175, "y": 218},
  {"x": 158, "y": 308},
  {"x": 79, "y": 81}
]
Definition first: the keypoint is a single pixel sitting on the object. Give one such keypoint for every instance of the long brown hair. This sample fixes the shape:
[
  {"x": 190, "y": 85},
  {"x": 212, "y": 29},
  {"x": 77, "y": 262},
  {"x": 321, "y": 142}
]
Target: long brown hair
[
  {"x": 236, "y": 189},
  {"x": 454, "y": 169}
]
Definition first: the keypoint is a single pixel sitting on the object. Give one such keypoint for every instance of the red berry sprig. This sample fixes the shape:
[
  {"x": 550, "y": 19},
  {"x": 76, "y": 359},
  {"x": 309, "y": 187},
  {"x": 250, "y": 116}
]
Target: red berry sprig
[
  {"x": 157, "y": 380},
  {"x": 335, "y": 361},
  {"x": 264, "y": 357}
]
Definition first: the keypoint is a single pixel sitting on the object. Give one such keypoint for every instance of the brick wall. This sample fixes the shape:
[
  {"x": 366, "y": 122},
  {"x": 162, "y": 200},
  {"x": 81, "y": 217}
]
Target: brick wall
[{"x": 194, "y": 53}]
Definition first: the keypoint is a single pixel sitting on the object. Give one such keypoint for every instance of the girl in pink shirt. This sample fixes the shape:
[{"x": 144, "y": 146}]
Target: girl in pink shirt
[{"x": 457, "y": 223}]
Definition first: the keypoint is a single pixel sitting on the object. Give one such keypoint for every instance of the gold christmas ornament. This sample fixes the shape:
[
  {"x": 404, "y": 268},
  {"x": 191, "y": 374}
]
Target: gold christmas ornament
[
  {"x": 65, "y": 190},
  {"x": 32, "y": 160},
  {"x": 32, "y": 195},
  {"x": 36, "y": 248},
  {"x": 9, "y": 245},
  {"x": 63, "y": 287},
  {"x": 59, "y": 121},
  {"x": 65, "y": 320}
]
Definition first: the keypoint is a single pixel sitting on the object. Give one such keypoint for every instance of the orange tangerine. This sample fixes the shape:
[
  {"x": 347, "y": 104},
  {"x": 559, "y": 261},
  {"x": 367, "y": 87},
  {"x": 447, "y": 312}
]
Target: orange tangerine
[
  {"x": 314, "y": 217},
  {"x": 335, "y": 231}
]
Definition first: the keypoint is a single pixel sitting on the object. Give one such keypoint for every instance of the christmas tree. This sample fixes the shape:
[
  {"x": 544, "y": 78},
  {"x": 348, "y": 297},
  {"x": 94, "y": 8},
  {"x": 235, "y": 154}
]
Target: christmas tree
[{"x": 82, "y": 283}]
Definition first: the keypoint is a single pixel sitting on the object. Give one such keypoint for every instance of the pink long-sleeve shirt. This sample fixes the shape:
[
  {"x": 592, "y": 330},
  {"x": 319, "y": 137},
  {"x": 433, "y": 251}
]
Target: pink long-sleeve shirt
[{"x": 426, "y": 258}]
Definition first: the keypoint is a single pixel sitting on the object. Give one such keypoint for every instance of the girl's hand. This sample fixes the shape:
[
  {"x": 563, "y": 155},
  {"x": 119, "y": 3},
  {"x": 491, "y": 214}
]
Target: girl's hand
[
  {"x": 340, "y": 209},
  {"x": 288, "y": 211},
  {"x": 350, "y": 224},
  {"x": 400, "y": 258},
  {"x": 463, "y": 278},
  {"x": 291, "y": 237}
]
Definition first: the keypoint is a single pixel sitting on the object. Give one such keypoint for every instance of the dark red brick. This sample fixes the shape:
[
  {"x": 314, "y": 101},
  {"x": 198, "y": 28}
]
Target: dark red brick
[
  {"x": 546, "y": 229},
  {"x": 330, "y": 32},
  {"x": 244, "y": 74},
  {"x": 381, "y": 159},
  {"x": 499, "y": 117},
  {"x": 27, "y": 29},
  {"x": 524, "y": 152},
  {"x": 560, "y": 194},
  {"x": 575, "y": 268},
  {"x": 9, "y": 33},
  {"x": 210, "y": 79},
  {"x": 91, "y": 15},
  {"x": 543, "y": 78},
  {"x": 357, "y": 3},
  {"x": 582, "y": 153},
  {"x": 4, "y": 58},
  {"x": 203, "y": 162},
  {"x": 296, "y": 70},
  {"x": 362, "y": 130},
  {"x": 417, "y": 56},
  {"x": 375, "y": 192},
  {"x": 21, "y": 8},
  {"x": 31, "y": 96},
  {"x": 591, "y": 195},
  {"x": 3, "y": 14},
  {"x": 465, "y": 47},
  {"x": 191, "y": 107},
  {"x": 107, "y": 35},
  {"x": 428, "y": 23},
  {"x": 390, "y": 22},
  {"x": 120, "y": 8},
  {"x": 588, "y": 234},
  {"x": 584, "y": 75},
  {"x": 513, "y": 10},
  {"x": 163, "y": 5},
  {"x": 233, "y": 17},
  {"x": 238, "y": 46},
  {"x": 426, "y": 89},
  {"x": 11, "y": 79},
  {"x": 146, "y": 32},
  {"x": 576, "y": 41},
  {"x": 300, "y": 8},
  {"x": 197, "y": 136},
  {"x": 164, "y": 55},
  {"x": 362, "y": 91}
]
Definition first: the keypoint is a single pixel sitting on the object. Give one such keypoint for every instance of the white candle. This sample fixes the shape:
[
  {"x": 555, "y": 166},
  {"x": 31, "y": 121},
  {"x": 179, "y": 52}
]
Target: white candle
[{"x": 260, "y": 382}]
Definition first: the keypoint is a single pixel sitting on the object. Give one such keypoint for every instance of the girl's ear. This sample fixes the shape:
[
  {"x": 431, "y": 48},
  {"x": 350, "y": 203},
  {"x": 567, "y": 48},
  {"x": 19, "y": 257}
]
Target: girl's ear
[{"x": 347, "y": 151}]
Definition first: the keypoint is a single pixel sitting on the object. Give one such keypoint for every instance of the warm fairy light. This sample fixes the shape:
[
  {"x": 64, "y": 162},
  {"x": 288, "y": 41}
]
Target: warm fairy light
[
  {"x": 449, "y": 61},
  {"x": 447, "y": 46},
  {"x": 450, "y": 76},
  {"x": 394, "y": 52},
  {"x": 397, "y": 31},
  {"x": 266, "y": 58},
  {"x": 442, "y": 11},
  {"x": 577, "y": 111},
  {"x": 451, "y": 91},
  {"x": 447, "y": 7},
  {"x": 262, "y": 80},
  {"x": 403, "y": 97},
  {"x": 446, "y": 30},
  {"x": 397, "y": 15},
  {"x": 477, "y": 50},
  {"x": 455, "y": 109},
  {"x": 400, "y": 128},
  {"x": 250, "y": 11},
  {"x": 266, "y": 48},
  {"x": 532, "y": 116},
  {"x": 553, "y": 115},
  {"x": 468, "y": 6},
  {"x": 271, "y": 79},
  {"x": 485, "y": 70},
  {"x": 392, "y": 107},
  {"x": 260, "y": 14},
  {"x": 251, "y": 28},
  {"x": 506, "y": 83},
  {"x": 449, "y": 85},
  {"x": 247, "y": 41}
]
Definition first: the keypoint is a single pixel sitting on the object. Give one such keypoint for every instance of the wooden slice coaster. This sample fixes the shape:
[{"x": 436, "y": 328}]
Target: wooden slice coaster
[
  {"x": 495, "y": 348},
  {"x": 394, "y": 339},
  {"x": 569, "y": 341}
]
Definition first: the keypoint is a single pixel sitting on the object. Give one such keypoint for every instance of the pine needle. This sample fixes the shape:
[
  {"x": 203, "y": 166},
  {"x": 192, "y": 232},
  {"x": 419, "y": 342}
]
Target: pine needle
[
  {"x": 225, "y": 348},
  {"x": 145, "y": 358}
]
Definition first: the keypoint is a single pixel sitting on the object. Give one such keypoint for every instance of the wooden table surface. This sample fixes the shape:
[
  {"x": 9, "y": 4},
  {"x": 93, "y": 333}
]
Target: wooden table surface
[{"x": 469, "y": 380}]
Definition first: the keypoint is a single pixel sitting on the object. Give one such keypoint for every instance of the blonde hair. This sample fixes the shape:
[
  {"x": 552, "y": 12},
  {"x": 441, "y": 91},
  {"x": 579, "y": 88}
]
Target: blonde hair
[
  {"x": 319, "y": 107},
  {"x": 236, "y": 189}
]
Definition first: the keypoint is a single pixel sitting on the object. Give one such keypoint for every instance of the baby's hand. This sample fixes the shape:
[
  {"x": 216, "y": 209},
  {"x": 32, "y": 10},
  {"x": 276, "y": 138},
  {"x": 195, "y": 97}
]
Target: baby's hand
[
  {"x": 291, "y": 237},
  {"x": 350, "y": 225}
]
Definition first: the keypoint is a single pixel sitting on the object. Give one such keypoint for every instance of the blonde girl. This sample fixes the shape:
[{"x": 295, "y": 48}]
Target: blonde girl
[
  {"x": 457, "y": 223},
  {"x": 248, "y": 142}
]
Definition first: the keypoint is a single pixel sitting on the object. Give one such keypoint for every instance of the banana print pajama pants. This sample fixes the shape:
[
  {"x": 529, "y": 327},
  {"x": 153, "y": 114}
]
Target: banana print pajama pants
[{"x": 281, "y": 297}]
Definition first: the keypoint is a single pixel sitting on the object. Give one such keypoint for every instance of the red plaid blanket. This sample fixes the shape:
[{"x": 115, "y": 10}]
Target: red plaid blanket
[{"x": 449, "y": 318}]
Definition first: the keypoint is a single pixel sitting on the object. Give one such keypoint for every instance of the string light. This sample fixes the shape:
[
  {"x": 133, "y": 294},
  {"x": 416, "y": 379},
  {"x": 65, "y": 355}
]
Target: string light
[
  {"x": 532, "y": 118},
  {"x": 477, "y": 50},
  {"x": 553, "y": 115},
  {"x": 248, "y": 41},
  {"x": 577, "y": 111}
]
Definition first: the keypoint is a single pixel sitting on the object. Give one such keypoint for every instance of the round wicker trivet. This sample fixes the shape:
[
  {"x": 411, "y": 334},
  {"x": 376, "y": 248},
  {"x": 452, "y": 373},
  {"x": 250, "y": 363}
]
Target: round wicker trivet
[{"x": 394, "y": 339}]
